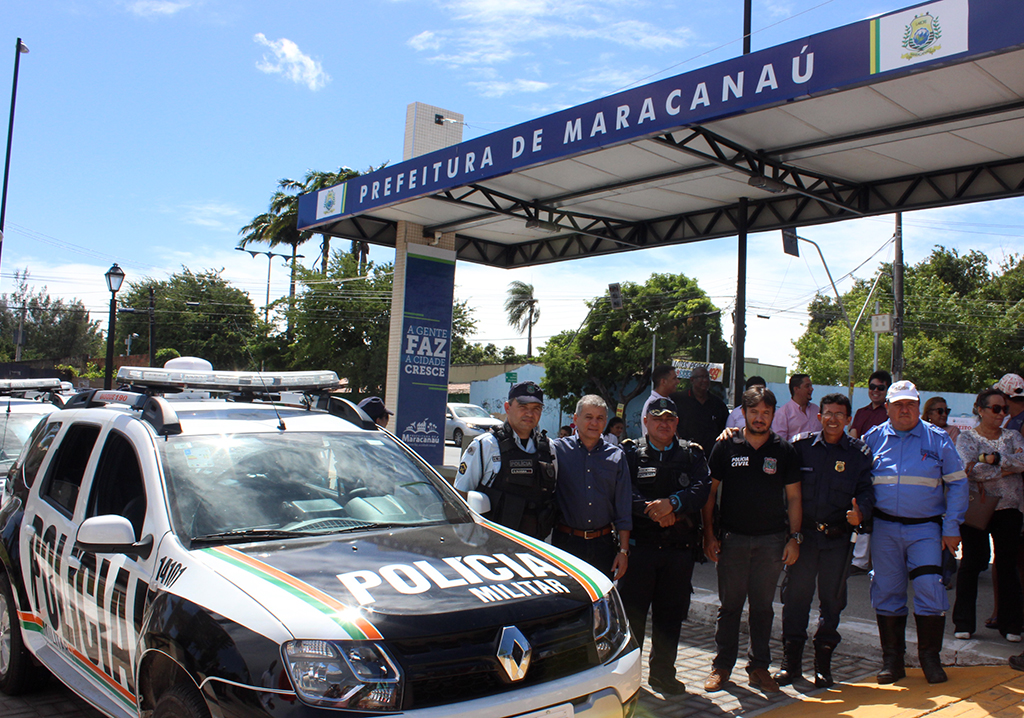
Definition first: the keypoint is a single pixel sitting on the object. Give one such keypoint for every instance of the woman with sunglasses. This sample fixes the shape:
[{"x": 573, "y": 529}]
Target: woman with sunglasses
[
  {"x": 936, "y": 412},
  {"x": 993, "y": 458}
]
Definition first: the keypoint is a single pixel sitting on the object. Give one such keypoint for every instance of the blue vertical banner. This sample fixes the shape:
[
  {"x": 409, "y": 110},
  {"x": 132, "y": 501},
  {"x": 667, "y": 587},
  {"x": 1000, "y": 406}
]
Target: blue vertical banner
[{"x": 426, "y": 350}]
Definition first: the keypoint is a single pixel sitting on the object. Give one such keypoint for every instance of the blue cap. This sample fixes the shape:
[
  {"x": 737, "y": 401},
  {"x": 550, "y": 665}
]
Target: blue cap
[
  {"x": 662, "y": 406},
  {"x": 526, "y": 392},
  {"x": 374, "y": 407}
]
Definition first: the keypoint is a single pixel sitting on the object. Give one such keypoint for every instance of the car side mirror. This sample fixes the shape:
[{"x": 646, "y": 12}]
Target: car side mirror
[
  {"x": 111, "y": 534},
  {"x": 478, "y": 501}
]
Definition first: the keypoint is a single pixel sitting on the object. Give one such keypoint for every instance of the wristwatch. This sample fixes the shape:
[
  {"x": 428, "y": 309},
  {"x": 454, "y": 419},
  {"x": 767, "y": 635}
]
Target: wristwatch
[{"x": 798, "y": 537}]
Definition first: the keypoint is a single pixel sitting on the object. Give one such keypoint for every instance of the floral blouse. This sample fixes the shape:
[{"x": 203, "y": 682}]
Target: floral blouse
[{"x": 1010, "y": 446}]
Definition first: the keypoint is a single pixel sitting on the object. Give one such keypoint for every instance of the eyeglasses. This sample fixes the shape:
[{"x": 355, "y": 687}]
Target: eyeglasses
[
  {"x": 834, "y": 415},
  {"x": 937, "y": 410},
  {"x": 877, "y": 387},
  {"x": 998, "y": 408}
]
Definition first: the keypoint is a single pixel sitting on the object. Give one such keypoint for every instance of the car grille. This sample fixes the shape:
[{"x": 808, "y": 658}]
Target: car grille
[{"x": 463, "y": 666}]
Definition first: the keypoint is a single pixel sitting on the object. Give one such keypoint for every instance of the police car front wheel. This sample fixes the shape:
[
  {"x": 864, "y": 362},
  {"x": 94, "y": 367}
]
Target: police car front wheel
[
  {"x": 18, "y": 674},
  {"x": 182, "y": 701}
]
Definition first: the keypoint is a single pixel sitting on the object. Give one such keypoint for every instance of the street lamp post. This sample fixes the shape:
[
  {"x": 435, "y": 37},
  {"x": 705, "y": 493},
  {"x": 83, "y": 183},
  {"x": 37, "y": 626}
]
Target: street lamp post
[
  {"x": 19, "y": 48},
  {"x": 114, "y": 277},
  {"x": 270, "y": 261}
]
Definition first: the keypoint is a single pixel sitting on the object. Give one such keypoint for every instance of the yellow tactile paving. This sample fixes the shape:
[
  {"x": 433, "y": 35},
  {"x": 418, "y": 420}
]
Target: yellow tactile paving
[{"x": 971, "y": 692}]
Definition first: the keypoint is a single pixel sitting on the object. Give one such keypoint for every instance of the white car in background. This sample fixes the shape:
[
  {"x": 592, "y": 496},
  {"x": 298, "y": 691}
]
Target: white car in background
[
  {"x": 467, "y": 420},
  {"x": 19, "y": 415}
]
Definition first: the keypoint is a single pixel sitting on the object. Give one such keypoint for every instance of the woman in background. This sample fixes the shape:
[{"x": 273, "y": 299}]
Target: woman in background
[
  {"x": 936, "y": 412},
  {"x": 615, "y": 431}
]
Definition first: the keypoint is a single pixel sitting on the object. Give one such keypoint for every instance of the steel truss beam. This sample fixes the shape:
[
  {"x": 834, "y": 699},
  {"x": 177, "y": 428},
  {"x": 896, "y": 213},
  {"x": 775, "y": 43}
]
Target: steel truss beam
[{"x": 920, "y": 191}]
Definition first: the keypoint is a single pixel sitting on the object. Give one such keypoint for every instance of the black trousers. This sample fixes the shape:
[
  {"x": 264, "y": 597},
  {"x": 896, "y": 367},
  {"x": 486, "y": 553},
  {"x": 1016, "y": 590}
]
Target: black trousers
[
  {"x": 598, "y": 552},
  {"x": 658, "y": 579},
  {"x": 821, "y": 565},
  {"x": 1004, "y": 528}
]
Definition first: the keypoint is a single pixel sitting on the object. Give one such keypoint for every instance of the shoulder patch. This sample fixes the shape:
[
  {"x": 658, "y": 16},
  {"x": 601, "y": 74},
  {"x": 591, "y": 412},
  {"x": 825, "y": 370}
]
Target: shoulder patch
[
  {"x": 462, "y": 467},
  {"x": 470, "y": 449}
]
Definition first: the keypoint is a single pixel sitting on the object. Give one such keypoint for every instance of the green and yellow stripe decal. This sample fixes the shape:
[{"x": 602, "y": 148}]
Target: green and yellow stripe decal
[
  {"x": 588, "y": 584},
  {"x": 355, "y": 625},
  {"x": 875, "y": 35}
]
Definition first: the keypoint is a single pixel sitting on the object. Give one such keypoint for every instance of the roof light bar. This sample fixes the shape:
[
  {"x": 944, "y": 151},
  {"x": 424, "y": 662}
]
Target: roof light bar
[
  {"x": 29, "y": 384},
  {"x": 229, "y": 380}
]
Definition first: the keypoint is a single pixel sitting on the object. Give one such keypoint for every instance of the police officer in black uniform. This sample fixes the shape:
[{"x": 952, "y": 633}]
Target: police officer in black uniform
[
  {"x": 670, "y": 485},
  {"x": 514, "y": 466},
  {"x": 837, "y": 496}
]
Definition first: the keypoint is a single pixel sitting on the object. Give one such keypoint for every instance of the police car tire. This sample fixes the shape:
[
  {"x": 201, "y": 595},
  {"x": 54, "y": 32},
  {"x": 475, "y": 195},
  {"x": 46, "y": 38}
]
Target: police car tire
[
  {"x": 457, "y": 437},
  {"x": 22, "y": 675},
  {"x": 181, "y": 701}
]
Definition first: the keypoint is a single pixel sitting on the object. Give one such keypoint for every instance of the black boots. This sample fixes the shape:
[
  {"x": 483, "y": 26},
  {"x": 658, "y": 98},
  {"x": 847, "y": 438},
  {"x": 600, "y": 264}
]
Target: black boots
[
  {"x": 792, "y": 658},
  {"x": 929, "y": 645},
  {"x": 823, "y": 666},
  {"x": 892, "y": 634}
]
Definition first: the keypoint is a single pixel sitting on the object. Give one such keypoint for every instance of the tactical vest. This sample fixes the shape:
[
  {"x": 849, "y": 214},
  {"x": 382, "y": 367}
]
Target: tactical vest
[
  {"x": 522, "y": 493},
  {"x": 657, "y": 478}
]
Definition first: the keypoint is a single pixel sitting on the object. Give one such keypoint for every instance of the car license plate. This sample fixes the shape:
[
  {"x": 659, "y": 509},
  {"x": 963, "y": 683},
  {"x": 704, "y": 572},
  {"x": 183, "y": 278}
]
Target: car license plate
[{"x": 563, "y": 711}]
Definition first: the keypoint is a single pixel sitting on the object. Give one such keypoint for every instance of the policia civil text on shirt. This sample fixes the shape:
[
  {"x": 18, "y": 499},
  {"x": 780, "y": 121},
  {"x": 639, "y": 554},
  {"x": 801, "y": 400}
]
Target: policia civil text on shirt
[
  {"x": 670, "y": 485},
  {"x": 835, "y": 486},
  {"x": 514, "y": 466}
]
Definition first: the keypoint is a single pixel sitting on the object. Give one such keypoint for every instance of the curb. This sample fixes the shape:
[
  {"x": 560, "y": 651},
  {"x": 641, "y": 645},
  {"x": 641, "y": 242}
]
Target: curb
[{"x": 861, "y": 637}]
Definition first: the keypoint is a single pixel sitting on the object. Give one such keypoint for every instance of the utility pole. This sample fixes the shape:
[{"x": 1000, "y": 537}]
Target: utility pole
[
  {"x": 152, "y": 326},
  {"x": 897, "y": 290},
  {"x": 21, "y": 333}
]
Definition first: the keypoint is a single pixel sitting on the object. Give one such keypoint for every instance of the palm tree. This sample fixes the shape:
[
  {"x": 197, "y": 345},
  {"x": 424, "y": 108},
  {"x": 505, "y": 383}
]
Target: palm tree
[{"x": 522, "y": 311}]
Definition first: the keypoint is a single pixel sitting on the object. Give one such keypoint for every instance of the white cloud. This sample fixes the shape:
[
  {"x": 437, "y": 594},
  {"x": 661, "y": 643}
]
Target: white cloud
[
  {"x": 426, "y": 40},
  {"x": 213, "y": 215},
  {"x": 153, "y": 8},
  {"x": 291, "y": 62},
  {"x": 500, "y": 88}
]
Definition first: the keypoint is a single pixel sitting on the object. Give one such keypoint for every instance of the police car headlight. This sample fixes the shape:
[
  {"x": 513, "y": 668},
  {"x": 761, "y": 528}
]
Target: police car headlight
[
  {"x": 611, "y": 628},
  {"x": 341, "y": 674}
]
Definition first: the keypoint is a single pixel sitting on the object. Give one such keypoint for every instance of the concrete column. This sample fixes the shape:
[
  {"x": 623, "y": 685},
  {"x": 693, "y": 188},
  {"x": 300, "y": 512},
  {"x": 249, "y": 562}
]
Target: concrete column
[{"x": 407, "y": 233}]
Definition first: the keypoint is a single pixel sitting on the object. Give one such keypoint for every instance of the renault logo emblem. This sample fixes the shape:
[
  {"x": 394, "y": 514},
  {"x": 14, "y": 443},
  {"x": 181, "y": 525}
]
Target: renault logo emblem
[{"x": 514, "y": 653}]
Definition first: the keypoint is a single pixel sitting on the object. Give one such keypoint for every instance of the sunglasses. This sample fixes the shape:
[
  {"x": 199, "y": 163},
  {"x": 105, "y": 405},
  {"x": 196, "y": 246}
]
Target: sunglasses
[
  {"x": 877, "y": 387},
  {"x": 998, "y": 408},
  {"x": 941, "y": 411}
]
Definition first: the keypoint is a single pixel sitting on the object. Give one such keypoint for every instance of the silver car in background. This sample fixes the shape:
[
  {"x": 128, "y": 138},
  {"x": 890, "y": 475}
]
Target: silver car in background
[{"x": 467, "y": 420}]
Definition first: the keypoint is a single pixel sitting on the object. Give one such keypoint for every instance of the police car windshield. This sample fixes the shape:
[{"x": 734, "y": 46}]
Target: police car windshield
[
  {"x": 269, "y": 485},
  {"x": 14, "y": 432}
]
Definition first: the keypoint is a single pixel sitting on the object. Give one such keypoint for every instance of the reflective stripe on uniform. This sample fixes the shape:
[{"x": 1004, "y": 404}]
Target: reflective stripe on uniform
[
  {"x": 908, "y": 480},
  {"x": 955, "y": 476}
]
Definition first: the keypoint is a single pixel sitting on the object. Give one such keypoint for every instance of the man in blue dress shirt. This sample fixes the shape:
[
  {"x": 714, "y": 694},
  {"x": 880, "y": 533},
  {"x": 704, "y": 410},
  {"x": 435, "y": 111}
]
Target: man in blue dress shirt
[{"x": 594, "y": 492}]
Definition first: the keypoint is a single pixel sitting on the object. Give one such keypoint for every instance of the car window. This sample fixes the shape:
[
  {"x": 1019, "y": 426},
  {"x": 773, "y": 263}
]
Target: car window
[
  {"x": 296, "y": 481},
  {"x": 39, "y": 444},
  {"x": 15, "y": 430},
  {"x": 118, "y": 487},
  {"x": 471, "y": 411},
  {"x": 64, "y": 475}
]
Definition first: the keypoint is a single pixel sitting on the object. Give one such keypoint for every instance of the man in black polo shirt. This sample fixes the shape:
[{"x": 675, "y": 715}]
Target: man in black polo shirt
[
  {"x": 760, "y": 515},
  {"x": 702, "y": 415}
]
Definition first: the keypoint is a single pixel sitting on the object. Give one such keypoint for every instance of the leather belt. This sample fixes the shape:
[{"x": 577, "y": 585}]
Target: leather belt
[{"x": 579, "y": 533}]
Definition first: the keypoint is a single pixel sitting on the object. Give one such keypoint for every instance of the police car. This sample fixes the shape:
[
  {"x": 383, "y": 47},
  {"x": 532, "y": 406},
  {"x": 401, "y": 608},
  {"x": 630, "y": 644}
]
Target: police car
[
  {"x": 20, "y": 414},
  {"x": 164, "y": 555}
]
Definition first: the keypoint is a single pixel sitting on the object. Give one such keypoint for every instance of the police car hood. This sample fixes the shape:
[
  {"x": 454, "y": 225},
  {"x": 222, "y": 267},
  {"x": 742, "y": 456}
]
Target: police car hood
[{"x": 407, "y": 582}]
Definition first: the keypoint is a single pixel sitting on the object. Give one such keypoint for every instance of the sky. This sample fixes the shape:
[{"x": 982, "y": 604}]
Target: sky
[{"x": 149, "y": 132}]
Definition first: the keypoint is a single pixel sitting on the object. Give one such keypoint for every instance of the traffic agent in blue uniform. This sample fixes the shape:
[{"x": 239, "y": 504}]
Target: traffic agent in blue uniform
[{"x": 921, "y": 494}]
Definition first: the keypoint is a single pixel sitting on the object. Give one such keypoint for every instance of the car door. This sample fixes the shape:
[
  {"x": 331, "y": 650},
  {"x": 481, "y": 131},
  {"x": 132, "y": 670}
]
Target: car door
[{"x": 100, "y": 597}]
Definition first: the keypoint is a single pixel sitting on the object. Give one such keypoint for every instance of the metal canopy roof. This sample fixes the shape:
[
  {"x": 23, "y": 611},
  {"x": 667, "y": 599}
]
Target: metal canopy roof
[{"x": 919, "y": 108}]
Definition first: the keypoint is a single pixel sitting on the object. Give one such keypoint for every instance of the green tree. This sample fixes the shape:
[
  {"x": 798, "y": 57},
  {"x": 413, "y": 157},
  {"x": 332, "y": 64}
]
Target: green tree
[
  {"x": 54, "y": 328},
  {"x": 342, "y": 322},
  {"x": 197, "y": 314},
  {"x": 611, "y": 353},
  {"x": 962, "y": 325},
  {"x": 523, "y": 314}
]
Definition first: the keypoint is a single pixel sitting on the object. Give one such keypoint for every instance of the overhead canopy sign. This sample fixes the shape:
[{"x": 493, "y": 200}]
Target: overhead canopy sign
[{"x": 552, "y": 171}]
